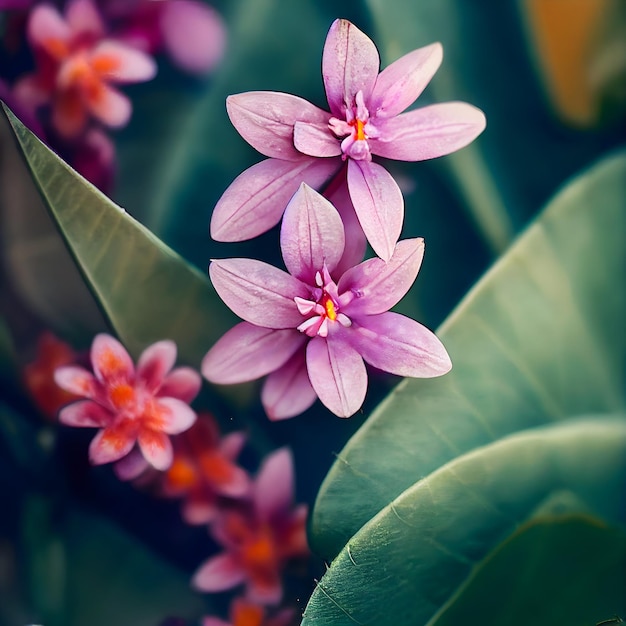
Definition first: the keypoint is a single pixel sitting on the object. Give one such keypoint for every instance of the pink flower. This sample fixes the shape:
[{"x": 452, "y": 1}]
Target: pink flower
[
  {"x": 246, "y": 613},
  {"x": 311, "y": 329},
  {"x": 204, "y": 471},
  {"x": 192, "y": 33},
  {"x": 77, "y": 64},
  {"x": 142, "y": 405},
  {"x": 259, "y": 542},
  {"x": 307, "y": 144}
]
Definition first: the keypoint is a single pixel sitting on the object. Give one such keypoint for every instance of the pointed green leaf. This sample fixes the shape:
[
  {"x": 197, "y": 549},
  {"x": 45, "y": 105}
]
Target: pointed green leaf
[
  {"x": 539, "y": 338},
  {"x": 144, "y": 289},
  {"x": 422, "y": 548}
]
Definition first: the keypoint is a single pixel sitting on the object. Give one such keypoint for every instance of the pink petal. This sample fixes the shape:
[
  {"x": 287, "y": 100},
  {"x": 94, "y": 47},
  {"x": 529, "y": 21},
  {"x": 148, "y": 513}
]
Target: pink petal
[
  {"x": 257, "y": 292},
  {"x": 156, "y": 448},
  {"x": 198, "y": 513},
  {"x": 350, "y": 63},
  {"x": 111, "y": 444},
  {"x": 76, "y": 380},
  {"x": 316, "y": 140},
  {"x": 266, "y": 587},
  {"x": 429, "y": 132},
  {"x": 194, "y": 35},
  {"x": 155, "y": 363},
  {"x": 110, "y": 360},
  {"x": 183, "y": 383},
  {"x": 109, "y": 106},
  {"x": 356, "y": 243},
  {"x": 69, "y": 115},
  {"x": 30, "y": 92},
  {"x": 256, "y": 199},
  {"x": 400, "y": 84},
  {"x": 265, "y": 119},
  {"x": 337, "y": 373},
  {"x": 274, "y": 485},
  {"x": 220, "y": 573},
  {"x": 311, "y": 235},
  {"x": 247, "y": 352},
  {"x": 85, "y": 413},
  {"x": 117, "y": 62},
  {"x": 131, "y": 466},
  {"x": 399, "y": 345},
  {"x": 378, "y": 203},
  {"x": 287, "y": 392},
  {"x": 232, "y": 444},
  {"x": 48, "y": 30},
  {"x": 214, "y": 621},
  {"x": 83, "y": 18},
  {"x": 170, "y": 416},
  {"x": 379, "y": 285}
]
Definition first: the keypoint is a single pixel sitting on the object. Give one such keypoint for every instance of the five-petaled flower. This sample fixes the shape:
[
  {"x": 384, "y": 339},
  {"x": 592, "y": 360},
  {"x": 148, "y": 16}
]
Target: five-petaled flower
[
  {"x": 311, "y": 330},
  {"x": 246, "y": 613},
  {"x": 76, "y": 64},
  {"x": 260, "y": 540},
  {"x": 308, "y": 144},
  {"x": 130, "y": 405}
]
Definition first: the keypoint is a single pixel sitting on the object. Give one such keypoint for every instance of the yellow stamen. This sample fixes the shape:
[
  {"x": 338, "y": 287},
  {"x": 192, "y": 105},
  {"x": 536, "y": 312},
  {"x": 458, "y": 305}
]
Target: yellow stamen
[
  {"x": 329, "y": 306},
  {"x": 360, "y": 133}
]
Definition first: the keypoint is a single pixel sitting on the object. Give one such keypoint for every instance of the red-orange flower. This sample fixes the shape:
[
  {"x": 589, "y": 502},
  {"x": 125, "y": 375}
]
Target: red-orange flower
[
  {"x": 260, "y": 541},
  {"x": 245, "y": 613}
]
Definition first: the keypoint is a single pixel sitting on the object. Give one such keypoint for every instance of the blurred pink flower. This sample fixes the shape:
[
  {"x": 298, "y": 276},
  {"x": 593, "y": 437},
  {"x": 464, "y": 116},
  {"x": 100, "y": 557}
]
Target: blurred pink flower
[
  {"x": 142, "y": 405},
  {"x": 259, "y": 541},
  {"x": 192, "y": 33},
  {"x": 311, "y": 329},
  {"x": 308, "y": 144},
  {"x": 76, "y": 65},
  {"x": 246, "y": 613}
]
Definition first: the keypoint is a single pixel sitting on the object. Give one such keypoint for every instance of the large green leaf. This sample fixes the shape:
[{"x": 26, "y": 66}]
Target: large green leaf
[
  {"x": 411, "y": 558},
  {"x": 539, "y": 338},
  {"x": 145, "y": 290}
]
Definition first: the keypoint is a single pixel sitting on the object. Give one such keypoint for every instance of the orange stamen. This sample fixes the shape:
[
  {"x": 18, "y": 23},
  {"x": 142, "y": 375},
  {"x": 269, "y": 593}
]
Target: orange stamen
[
  {"x": 360, "y": 133},
  {"x": 121, "y": 395},
  {"x": 329, "y": 307}
]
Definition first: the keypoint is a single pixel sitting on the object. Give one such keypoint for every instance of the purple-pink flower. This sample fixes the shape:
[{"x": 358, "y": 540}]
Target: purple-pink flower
[
  {"x": 141, "y": 405},
  {"x": 308, "y": 144},
  {"x": 312, "y": 329}
]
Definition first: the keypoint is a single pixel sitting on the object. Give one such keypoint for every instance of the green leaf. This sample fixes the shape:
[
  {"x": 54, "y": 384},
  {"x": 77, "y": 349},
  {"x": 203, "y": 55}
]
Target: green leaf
[
  {"x": 145, "y": 290},
  {"x": 568, "y": 570},
  {"x": 538, "y": 339},
  {"x": 422, "y": 548}
]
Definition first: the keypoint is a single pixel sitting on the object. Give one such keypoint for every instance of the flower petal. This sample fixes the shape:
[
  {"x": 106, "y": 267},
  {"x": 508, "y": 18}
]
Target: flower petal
[
  {"x": 399, "y": 345},
  {"x": 337, "y": 373},
  {"x": 109, "y": 106},
  {"x": 220, "y": 573},
  {"x": 214, "y": 621},
  {"x": 311, "y": 235},
  {"x": 258, "y": 292},
  {"x": 110, "y": 360},
  {"x": 377, "y": 285},
  {"x": 232, "y": 444},
  {"x": 315, "y": 140},
  {"x": 265, "y": 585},
  {"x": 69, "y": 115},
  {"x": 48, "y": 30},
  {"x": 156, "y": 448},
  {"x": 131, "y": 466},
  {"x": 356, "y": 242},
  {"x": 199, "y": 512},
  {"x": 247, "y": 352},
  {"x": 274, "y": 485},
  {"x": 155, "y": 363},
  {"x": 85, "y": 413},
  {"x": 400, "y": 84},
  {"x": 183, "y": 383},
  {"x": 194, "y": 35},
  {"x": 169, "y": 415},
  {"x": 256, "y": 199},
  {"x": 112, "y": 443},
  {"x": 378, "y": 203},
  {"x": 83, "y": 18},
  {"x": 265, "y": 119},
  {"x": 115, "y": 61},
  {"x": 350, "y": 63},
  {"x": 429, "y": 132},
  {"x": 76, "y": 380},
  {"x": 287, "y": 392}
]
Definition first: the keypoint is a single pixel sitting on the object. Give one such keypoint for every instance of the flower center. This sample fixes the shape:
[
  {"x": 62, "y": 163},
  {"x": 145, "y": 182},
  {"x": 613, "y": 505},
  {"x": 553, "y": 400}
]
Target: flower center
[
  {"x": 357, "y": 129},
  {"x": 122, "y": 395},
  {"x": 322, "y": 308}
]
